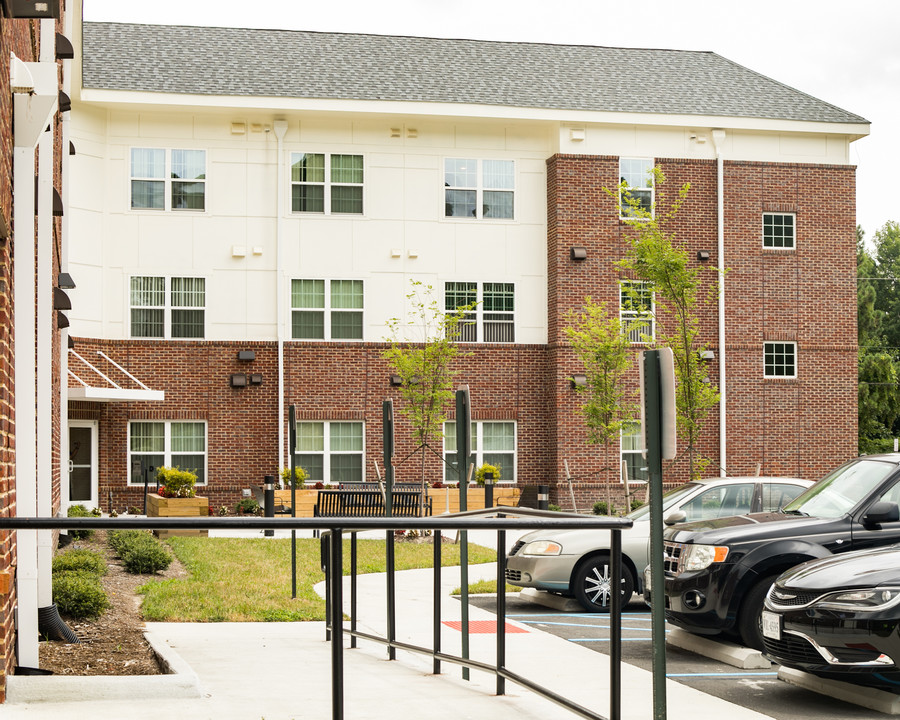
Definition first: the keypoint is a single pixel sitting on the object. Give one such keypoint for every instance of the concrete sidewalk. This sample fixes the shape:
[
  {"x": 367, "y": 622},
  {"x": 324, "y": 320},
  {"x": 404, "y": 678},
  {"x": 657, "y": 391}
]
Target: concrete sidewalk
[{"x": 282, "y": 671}]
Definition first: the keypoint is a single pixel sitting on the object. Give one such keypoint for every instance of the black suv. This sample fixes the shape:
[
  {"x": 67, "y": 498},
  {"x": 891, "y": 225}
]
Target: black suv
[{"x": 717, "y": 572}]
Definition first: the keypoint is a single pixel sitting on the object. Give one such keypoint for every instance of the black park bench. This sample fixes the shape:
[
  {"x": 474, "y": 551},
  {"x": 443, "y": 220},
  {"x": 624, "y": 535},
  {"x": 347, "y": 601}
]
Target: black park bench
[{"x": 369, "y": 503}]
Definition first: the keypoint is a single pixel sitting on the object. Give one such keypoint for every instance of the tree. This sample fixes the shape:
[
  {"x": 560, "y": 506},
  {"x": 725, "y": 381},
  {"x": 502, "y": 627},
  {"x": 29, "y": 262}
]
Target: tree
[
  {"x": 654, "y": 257},
  {"x": 422, "y": 352}
]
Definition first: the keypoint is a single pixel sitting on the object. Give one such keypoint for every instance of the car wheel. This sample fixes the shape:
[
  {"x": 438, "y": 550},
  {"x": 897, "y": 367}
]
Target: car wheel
[
  {"x": 593, "y": 586},
  {"x": 750, "y": 614}
]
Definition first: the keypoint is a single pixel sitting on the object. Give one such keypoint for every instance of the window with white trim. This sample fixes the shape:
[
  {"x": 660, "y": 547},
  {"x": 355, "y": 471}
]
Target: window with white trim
[
  {"x": 636, "y": 310},
  {"x": 330, "y": 451},
  {"x": 632, "y": 452},
  {"x": 168, "y": 307},
  {"x": 493, "y": 442},
  {"x": 480, "y": 189},
  {"x": 327, "y": 309},
  {"x": 493, "y": 318},
  {"x": 637, "y": 176},
  {"x": 327, "y": 183},
  {"x": 780, "y": 359},
  {"x": 779, "y": 230},
  {"x": 168, "y": 179},
  {"x": 166, "y": 443}
]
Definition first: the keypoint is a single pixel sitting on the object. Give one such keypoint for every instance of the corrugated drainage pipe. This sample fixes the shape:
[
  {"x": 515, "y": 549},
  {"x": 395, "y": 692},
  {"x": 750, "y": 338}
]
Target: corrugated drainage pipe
[{"x": 52, "y": 626}]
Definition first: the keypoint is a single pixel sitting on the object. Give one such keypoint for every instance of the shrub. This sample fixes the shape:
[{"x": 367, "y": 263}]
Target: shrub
[
  {"x": 86, "y": 561},
  {"x": 300, "y": 476},
  {"x": 223, "y": 511},
  {"x": 79, "y": 511},
  {"x": 486, "y": 468},
  {"x": 319, "y": 485},
  {"x": 176, "y": 483},
  {"x": 247, "y": 506},
  {"x": 601, "y": 507},
  {"x": 120, "y": 540},
  {"x": 635, "y": 504},
  {"x": 79, "y": 595},
  {"x": 554, "y": 508},
  {"x": 140, "y": 552}
]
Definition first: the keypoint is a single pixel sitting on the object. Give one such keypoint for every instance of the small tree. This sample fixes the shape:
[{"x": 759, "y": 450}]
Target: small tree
[
  {"x": 422, "y": 352},
  {"x": 654, "y": 257}
]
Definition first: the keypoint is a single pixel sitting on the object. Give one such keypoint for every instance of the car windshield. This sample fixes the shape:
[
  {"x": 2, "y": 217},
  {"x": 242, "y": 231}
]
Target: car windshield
[
  {"x": 839, "y": 492},
  {"x": 668, "y": 500}
]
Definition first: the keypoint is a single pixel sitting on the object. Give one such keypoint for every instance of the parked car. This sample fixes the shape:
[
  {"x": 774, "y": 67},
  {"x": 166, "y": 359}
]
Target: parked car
[
  {"x": 839, "y": 618},
  {"x": 576, "y": 562},
  {"x": 717, "y": 572}
]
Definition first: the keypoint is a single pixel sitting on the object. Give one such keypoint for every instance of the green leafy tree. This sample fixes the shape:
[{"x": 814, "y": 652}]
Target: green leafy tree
[
  {"x": 422, "y": 353},
  {"x": 654, "y": 257},
  {"x": 602, "y": 342}
]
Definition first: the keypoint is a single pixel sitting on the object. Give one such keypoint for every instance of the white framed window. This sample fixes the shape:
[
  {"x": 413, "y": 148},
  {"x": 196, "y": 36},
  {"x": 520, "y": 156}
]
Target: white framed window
[
  {"x": 493, "y": 319},
  {"x": 327, "y": 309},
  {"x": 164, "y": 179},
  {"x": 327, "y": 183},
  {"x": 637, "y": 176},
  {"x": 632, "y": 452},
  {"x": 331, "y": 451},
  {"x": 637, "y": 310},
  {"x": 479, "y": 189},
  {"x": 167, "y": 307},
  {"x": 493, "y": 442},
  {"x": 780, "y": 359},
  {"x": 779, "y": 230},
  {"x": 153, "y": 444}
]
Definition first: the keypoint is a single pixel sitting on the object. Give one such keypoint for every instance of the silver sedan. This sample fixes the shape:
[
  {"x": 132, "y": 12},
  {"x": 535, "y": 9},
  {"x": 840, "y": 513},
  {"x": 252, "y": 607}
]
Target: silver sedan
[{"x": 577, "y": 562}]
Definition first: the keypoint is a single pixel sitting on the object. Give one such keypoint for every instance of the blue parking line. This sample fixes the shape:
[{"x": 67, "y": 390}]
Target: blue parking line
[
  {"x": 744, "y": 674},
  {"x": 581, "y": 625},
  {"x": 646, "y": 639}
]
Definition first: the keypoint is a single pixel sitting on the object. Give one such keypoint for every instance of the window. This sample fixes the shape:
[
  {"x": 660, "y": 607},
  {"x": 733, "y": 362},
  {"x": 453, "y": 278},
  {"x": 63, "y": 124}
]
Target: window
[
  {"x": 780, "y": 359},
  {"x": 776, "y": 495},
  {"x": 330, "y": 451},
  {"x": 637, "y": 176},
  {"x": 163, "y": 307},
  {"x": 721, "y": 501},
  {"x": 327, "y": 184},
  {"x": 170, "y": 443},
  {"x": 632, "y": 452},
  {"x": 332, "y": 314},
  {"x": 778, "y": 230},
  {"x": 168, "y": 179},
  {"x": 493, "y": 318},
  {"x": 636, "y": 309},
  {"x": 493, "y": 443},
  {"x": 480, "y": 189}
]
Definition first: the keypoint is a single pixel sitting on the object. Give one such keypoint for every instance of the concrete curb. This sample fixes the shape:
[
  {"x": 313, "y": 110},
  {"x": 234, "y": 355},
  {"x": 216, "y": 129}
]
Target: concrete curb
[
  {"x": 180, "y": 682},
  {"x": 880, "y": 700},
  {"x": 726, "y": 652}
]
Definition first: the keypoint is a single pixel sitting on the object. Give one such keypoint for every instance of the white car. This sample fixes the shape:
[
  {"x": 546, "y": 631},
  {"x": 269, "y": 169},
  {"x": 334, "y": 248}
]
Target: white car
[{"x": 577, "y": 562}]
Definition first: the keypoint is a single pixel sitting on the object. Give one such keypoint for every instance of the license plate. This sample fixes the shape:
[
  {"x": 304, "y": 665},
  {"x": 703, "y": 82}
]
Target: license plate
[{"x": 771, "y": 625}]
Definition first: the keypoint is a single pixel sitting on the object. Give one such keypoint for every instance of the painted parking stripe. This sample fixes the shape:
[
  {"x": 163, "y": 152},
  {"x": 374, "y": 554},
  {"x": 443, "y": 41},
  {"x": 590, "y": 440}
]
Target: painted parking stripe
[
  {"x": 607, "y": 639},
  {"x": 581, "y": 625},
  {"x": 744, "y": 674}
]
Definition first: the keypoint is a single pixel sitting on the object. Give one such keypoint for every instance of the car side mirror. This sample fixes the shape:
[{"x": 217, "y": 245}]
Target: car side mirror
[
  {"x": 882, "y": 512},
  {"x": 675, "y": 517}
]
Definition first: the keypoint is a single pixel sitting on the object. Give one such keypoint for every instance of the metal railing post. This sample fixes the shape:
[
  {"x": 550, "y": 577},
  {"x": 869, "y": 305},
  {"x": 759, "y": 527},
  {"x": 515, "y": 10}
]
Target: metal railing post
[
  {"x": 615, "y": 628},
  {"x": 337, "y": 636},
  {"x": 501, "y": 608},
  {"x": 436, "y": 629},
  {"x": 325, "y": 559},
  {"x": 353, "y": 589},
  {"x": 269, "y": 500}
]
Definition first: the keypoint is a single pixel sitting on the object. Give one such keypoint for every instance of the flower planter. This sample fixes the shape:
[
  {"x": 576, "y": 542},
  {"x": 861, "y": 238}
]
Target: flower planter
[
  {"x": 158, "y": 506},
  {"x": 444, "y": 500},
  {"x": 306, "y": 500}
]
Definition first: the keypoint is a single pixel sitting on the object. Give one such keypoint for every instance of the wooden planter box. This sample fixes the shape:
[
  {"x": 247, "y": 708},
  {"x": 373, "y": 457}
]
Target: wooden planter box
[
  {"x": 158, "y": 506},
  {"x": 445, "y": 500},
  {"x": 306, "y": 500}
]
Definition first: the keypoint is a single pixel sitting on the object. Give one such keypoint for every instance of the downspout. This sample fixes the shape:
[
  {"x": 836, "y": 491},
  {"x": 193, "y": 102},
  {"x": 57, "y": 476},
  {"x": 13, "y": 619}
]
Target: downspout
[
  {"x": 280, "y": 127},
  {"x": 718, "y": 137},
  {"x": 66, "y": 131}
]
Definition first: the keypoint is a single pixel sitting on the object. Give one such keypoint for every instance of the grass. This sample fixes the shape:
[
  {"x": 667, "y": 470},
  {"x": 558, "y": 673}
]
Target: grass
[
  {"x": 485, "y": 586},
  {"x": 241, "y": 580}
]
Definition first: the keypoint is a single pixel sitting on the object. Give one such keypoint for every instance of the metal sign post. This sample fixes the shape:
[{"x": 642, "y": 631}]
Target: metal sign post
[{"x": 463, "y": 451}]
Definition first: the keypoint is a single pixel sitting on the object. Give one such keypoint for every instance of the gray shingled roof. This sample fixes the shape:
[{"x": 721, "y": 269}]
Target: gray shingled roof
[{"x": 294, "y": 64}]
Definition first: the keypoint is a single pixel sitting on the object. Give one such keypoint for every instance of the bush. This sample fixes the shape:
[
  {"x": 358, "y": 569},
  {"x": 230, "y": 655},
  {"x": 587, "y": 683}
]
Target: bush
[
  {"x": 86, "y": 561},
  {"x": 121, "y": 540},
  {"x": 300, "y": 476},
  {"x": 486, "y": 468},
  {"x": 247, "y": 506},
  {"x": 635, "y": 504},
  {"x": 79, "y": 595},
  {"x": 176, "y": 483},
  {"x": 146, "y": 558},
  {"x": 554, "y": 508},
  {"x": 79, "y": 511},
  {"x": 602, "y": 508}
]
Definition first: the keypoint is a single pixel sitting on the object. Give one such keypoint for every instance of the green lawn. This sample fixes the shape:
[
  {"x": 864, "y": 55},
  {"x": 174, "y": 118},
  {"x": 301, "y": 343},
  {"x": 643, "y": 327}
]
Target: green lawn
[{"x": 237, "y": 580}]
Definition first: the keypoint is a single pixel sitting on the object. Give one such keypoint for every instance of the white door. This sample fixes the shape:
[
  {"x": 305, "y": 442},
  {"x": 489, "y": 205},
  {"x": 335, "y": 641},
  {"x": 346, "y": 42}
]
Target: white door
[{"x": 83, "y": 463}]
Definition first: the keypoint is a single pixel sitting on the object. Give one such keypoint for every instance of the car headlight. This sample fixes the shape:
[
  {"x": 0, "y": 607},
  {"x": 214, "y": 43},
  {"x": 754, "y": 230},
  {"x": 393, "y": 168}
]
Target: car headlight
[
  {"x": 541, "y": 547},
  {"x": 862, "y": 599},
  {"x": 700, "y": 557}
]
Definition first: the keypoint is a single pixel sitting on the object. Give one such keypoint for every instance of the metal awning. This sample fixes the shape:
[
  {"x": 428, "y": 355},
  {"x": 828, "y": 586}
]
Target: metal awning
[{"x": 103, "y": 388}]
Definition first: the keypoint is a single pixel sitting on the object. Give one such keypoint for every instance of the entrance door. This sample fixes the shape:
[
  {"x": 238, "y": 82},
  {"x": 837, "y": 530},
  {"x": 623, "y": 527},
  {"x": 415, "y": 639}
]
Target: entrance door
[{"x": 83, "y": 463}]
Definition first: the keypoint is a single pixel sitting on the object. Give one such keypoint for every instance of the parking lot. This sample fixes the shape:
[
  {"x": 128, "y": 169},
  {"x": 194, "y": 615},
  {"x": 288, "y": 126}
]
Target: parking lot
[{"x": 760, "y": 690}]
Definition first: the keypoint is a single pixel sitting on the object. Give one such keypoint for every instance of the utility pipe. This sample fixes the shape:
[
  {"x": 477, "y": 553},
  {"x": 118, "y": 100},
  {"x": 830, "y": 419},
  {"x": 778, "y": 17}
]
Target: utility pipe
[
  {"x": 718, "y": 136},
  {"x": 280, "y": 127}
]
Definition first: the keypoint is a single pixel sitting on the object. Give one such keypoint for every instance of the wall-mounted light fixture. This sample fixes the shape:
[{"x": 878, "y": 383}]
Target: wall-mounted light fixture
[
  {"x": 65, "y": 102},
  {"x": 706, "y": 355},
  {"x": 703, "y": 255},
  {"x": 237, "y": 380},
  {"x": 71, "y": 342},
  {"x": 578, "y": 253},
  {"x": 61, "y": 320},
  {"x": 65, "y": 281},
  {"x": 255, "y": 378},
  {"x": 71, "y": 148},
  {"x": 4, "y": 226},
  {"x": 61, "y": 300},
  {"x": 246, "y": 355},
  {"x": 577, "y": 381},
  {"x": 64, "y": 49},
  {"x": 396, "y": 381}
]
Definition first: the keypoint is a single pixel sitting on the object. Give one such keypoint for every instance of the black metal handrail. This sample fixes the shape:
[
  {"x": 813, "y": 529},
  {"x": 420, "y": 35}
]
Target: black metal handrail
[{"x": 525, "y": 519}]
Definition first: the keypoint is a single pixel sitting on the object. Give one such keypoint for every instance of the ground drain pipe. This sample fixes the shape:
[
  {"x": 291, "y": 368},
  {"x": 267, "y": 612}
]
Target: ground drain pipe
[{"x": 52, "y": 626}]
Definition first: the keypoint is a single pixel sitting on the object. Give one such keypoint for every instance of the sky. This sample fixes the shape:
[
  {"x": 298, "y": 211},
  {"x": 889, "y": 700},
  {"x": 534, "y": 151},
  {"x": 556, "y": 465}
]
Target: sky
[{"x": 826, "y": 49}]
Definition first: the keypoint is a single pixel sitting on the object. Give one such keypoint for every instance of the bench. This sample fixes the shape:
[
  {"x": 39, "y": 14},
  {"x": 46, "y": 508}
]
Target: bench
[
  {"x": 368, "y": 503},
  {"x": 260, "y": 496}
]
